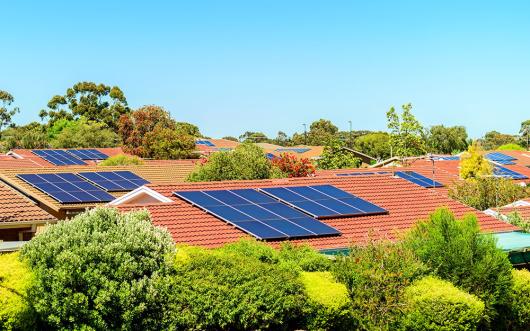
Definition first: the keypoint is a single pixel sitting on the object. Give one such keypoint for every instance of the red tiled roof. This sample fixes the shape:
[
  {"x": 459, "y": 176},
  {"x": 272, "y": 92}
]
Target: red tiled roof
[
  {"x": 27, "y": 154},
  {"x": 15, "y": 208},
  {"x": 406, "y": 202},
  {"x": 523, "y": 211}
]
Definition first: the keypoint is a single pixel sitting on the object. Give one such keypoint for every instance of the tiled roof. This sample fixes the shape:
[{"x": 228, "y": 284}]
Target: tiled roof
[
  {"x": 523, "y": 211},
  {"x": 153, "y": 171},
  {"x": 219, "y": 145},
  {"x": 27, "y": 154},
  {"x": 15, "y": 208},
  {"x": 407, "y": 203}
]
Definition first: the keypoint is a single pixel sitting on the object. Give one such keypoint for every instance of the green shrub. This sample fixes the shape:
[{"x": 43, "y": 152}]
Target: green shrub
[
  {"x": 516, "y": 219},
  {"x": 456, "y": 251},
  {"x": 102, "y": 270},
  {"x": 121, "y": 159},
  {"x": 246, "y": 161},
  {"x": 218, "y": 290},
  {"x": 437, "y": 305},
  {"x": 303, "y": 257},
  {"x": 329, "y": 304},
  {"x": 376, "y": 276},
  {"x": 511, "y": 147},
  {"x": 520, "y": 318},
  {"x": 15, "y": 279},
  {"x": 252, "y": 249}
]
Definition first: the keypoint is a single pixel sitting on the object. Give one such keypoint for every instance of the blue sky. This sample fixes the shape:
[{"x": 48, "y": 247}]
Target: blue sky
[{"x": 232, "y": 66}]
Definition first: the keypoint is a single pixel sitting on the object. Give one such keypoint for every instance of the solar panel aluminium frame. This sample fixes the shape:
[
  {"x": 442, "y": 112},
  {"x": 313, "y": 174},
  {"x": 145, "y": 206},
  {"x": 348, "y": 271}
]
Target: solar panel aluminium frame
[
  {"x": 499, "y": 171},
  {"x": 296, "y": 221},
  {"x": 54, "y": 156},
  {"x": 336, "y": 198}
]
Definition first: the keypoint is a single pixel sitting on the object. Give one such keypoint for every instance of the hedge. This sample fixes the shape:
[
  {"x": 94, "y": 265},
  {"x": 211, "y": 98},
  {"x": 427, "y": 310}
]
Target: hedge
[
  {"x": 328, "y": 302},
  {"x": 521, "y": 300},
  {"x": 15, "y": 279},
  {"x": 435, "y": 304}
]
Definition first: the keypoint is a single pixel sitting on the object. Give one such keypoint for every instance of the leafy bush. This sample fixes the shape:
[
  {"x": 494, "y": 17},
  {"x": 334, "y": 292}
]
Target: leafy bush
[
  {"x": 516, "y": 219},
  {"x": 456, "y": 251},
  {"x": 219, "y": 290},
  {"x": 328, "y": 302},
  {"x": 437, "y": 305},
  {"x": 121, "y": 159},
  {"x": 252, "y": 249},
  {"x": 376, "y": 276},
  {"x": 292, "y": 166},
  {"x": 102, "y": 270},
  {"x": 473, "y": 164},
  {"x": 15, "y": 279},
  {"x": 336, "y": 157},
  {"x": 511, "y": 147},
  {"x": 246, "y": 161},
  {"x": 303, "y": 257},
  {"x": 83, "y": 133},
  {"x": 487, "y": 192},
  {"x": 520, "y": 317}
]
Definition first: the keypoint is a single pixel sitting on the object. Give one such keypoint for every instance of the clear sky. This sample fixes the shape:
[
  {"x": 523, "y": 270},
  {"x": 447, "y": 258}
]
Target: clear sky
[{"x": 232, "y": 66}]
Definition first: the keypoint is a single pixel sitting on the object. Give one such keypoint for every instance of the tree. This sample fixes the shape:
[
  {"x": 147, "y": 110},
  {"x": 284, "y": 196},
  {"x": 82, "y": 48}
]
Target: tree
[
  {"x": 96, "y": 102},
  {"x": 282, "y": 139},
  {"x": 335, "y": 156},
  {"x": 525, "y": 133},
  {"x": 6, "y": 111},
  {"x": 292, "y": 166},
  {"x": 254, "y": 137},
  {"x": 405, "y": 132},
  {"x": 83, "y": 133},
  {"x": 188, "y": 129},
  {"x": 231, "y": 138},
  {"x": 102, "y": 270},
  {"x": 30, "y": 136},
  {"x": 246, "y": 161},
  {"x": 320, "y": 133},
  {"x": 456, "y": 251},
  {"x": 446, "y": 140},
  {"x": 473, "y": 164},
  {"x": 376, "y": 144},
  {"x": 494, "y": 139},
  {"x": 150, "y": 132}
]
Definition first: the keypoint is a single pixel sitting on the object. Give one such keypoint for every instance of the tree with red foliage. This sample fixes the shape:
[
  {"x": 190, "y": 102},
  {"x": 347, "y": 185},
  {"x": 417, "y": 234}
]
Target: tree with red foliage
[{"x": 292, "y": 166}]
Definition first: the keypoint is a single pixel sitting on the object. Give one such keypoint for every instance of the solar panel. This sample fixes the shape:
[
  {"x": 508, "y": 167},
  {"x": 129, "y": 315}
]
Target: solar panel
[
  {"x": 88, "y": 154},
  {"x": 446, "y": 158},
  {"x": 507, "y": 173},
  {"x": 205, "y": 142},
  {"x": 296, "y": 150},
  {"x": 500, "y": 158},
  {"x": 113, "y": 181},
  {"x": 418, "y": 179},
  {"x": 257, "y": 214},
  {"x": 323, "y": 201},
  {"x": 58, "y": 157},
  {"x": 66, "y": 188}
]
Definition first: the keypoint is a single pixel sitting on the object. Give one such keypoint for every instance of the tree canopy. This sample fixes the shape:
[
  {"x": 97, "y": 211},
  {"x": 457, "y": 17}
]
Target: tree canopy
[
  {"x": 6, "y": 110},
  {"x": 376, "y": 144},
  {"x": 319, "y": 134},
  {"x": 336, "y": 157},
  {"x": 83, "y": 133},
  {"x": 405, "y": 132},
  {"x": 493, "y": 139},
  {"x": 446, "y": 140}
]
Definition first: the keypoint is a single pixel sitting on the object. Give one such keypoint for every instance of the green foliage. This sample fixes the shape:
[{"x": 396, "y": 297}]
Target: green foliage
[
  {"x": 376, "y": 276},
  {"x": 303, "y": 257},
  {"x": 30, "y": 136},
  {"x": 473, "y": 164},
  {"x": 120, "y": 160},
  {"x": 328, "y": 302},
  {"x": 231, "y": 138},
  {"x": 335, "y": 156},
  {"x": 516, "y": 219},
  {"x": 95, "y": 102},
  {"x": 456, "y": 251},
  {"x": 246, "y": 161},
  {"x": 525, "y": 133},
  {"x": 446, "y": 140},
  {"x": 6, "y": 111},
  {"x": 188, "y": 129},
  {"x": 291, "y": 166},
  {"x": 220, "y": 290},
  {"x": 320, "y": 133},
  {"x": 150, "y": 132},
  {"x": 405, "y": 132},
  {"x": 437, "y": 305},
  {"x": 520, "y": 311},
  {"x": 83, "y": 133},
  {"x": 102, "y": 270},
  {"x": 487, "y": 192},
  {"x": 511, "y": 147},
  {"x": 376, "y": 144},
  {"x": 493, "y": 139},
  {"x": 254, "y": 137},
  {"x": 15, "y": 280}
]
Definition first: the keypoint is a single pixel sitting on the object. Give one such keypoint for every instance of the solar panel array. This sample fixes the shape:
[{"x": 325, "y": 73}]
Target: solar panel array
[
  {"x": 507, "y": 173},
  {"x": 58, "y": 157},
  {"x": 67, "y": 188},
  {"x": 500, "y": 158},
  {"x": 113, "y": 181},
  {"x": 257, "y": 214},
  {"x": 296, "y": 150},
  {"x": 323, "y": 201},
  {"x": 362, "y": 173},
  {"x": 88, "y": 154},
  {"x": 205, "y": 142},
  {"x": 446, "y": 158},
  {"x": 418, "y": 179}
]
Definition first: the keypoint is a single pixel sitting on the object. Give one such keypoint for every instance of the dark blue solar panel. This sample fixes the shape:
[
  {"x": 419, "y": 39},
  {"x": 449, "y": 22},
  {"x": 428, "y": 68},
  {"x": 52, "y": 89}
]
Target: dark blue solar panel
[
  {"x": 323, "y": 201},
  {"x": 257, "y": 214},
  {"x": 113, "y": 181},
  {"x": 296, "y": 150},
  {"x": 205, "y": 142},
  {"x": 66, "y": 188},
  {"x": 58, "y": 157},
  {"x": 496, "y": 156},
  {"x": 418, "y": 179},
  {"x": 507, "y": 173},
  {"x": 88, "y": 154}
]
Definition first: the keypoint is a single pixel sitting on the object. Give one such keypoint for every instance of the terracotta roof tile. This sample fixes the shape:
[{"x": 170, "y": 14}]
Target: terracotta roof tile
[{"x": 15, "y": 208}]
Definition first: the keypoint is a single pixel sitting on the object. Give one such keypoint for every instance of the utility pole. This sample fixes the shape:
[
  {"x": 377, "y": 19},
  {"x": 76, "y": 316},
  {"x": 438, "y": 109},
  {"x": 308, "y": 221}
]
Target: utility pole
[
  {"x": 305, "y": 134},
  {"x": 350, "y": 142}
]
